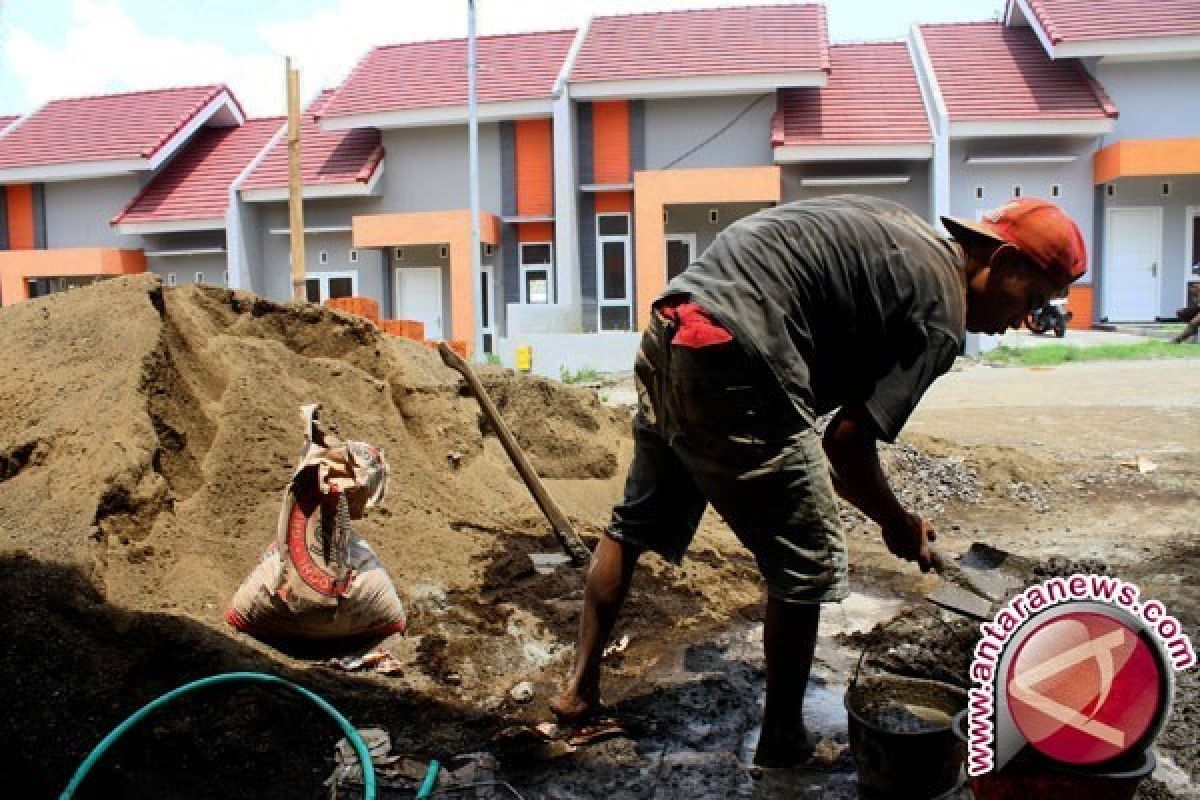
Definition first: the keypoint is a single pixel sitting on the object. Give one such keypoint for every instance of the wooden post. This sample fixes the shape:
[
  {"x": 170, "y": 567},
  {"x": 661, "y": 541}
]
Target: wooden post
[{"x": 295, "y": 186}]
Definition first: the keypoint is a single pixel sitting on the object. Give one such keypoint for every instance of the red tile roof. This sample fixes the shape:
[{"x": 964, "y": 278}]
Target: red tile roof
[
  {"x": 6, "y": 121},
  {"x": 714, "y": 41},
  {"x": 1090, "y": 20},
  {"x": 326, "y": 157},
  {"x": 195, "y": 184},
  {"x": 989, "y": 72},
  {"x": 108, "y": 127},
  {"x": 417, "y": 75},
  {"x": 872, "y": 97}
]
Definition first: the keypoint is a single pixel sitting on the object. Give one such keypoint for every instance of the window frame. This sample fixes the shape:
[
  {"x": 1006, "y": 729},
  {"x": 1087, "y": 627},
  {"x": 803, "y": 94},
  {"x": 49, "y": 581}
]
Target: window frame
[
  {"x": 323, "y": 279},
  {"x": 525, "y": 267},
  {"x": 625, "y": 239}
]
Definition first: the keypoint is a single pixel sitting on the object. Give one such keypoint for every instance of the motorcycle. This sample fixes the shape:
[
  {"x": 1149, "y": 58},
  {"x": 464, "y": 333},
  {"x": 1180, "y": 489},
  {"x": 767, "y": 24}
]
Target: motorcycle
[{"x": 1053, "y": 316}]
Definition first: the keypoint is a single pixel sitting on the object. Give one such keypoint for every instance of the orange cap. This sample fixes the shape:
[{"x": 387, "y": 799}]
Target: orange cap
[{"x": 1038, "y": 229}]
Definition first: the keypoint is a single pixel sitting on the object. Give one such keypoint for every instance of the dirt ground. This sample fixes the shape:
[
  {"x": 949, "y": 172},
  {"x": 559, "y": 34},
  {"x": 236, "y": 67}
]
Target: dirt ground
[{"x": 142, "y": 455}]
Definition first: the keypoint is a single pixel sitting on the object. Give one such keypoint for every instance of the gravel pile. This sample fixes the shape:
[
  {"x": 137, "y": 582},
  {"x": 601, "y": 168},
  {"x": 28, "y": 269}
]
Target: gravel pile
[{"x": 924, "y": 483}]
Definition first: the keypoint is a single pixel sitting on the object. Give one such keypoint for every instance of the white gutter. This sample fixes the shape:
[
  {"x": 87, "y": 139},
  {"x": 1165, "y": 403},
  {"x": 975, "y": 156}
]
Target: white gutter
[
  {"x": 234, "y": 242},
  {"x": 939, "y": 123},
  {"x": 568, "y": 290}
]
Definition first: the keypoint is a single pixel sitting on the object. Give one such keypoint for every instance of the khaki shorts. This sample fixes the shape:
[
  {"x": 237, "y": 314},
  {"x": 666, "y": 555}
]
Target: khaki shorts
[{"x": 711, "y": 428}]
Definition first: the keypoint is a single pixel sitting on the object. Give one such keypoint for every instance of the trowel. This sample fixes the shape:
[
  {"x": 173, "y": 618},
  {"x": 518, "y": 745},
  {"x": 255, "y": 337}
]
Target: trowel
[{"x": 978, "y": 582}]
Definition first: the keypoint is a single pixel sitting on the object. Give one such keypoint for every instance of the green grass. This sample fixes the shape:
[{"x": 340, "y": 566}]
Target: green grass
[
  {"x": 582, "y": 375},
  {"x": 1051, "y": 354}
]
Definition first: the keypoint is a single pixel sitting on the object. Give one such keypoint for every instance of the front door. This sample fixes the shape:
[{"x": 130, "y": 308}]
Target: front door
[
  {"x": 1132, "y": 263},
  {"x": 681, "y": 250},
  {"x": 419, "y": 297}
]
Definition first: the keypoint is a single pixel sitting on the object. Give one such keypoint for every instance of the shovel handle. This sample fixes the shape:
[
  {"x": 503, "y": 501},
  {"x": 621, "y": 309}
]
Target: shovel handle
[{"x": 568, "y": 539}]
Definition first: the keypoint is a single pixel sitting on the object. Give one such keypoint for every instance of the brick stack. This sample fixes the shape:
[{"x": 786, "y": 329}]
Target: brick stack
[
  {"x": 360, "y": 306},
  {"x": 407, "y": 328}
]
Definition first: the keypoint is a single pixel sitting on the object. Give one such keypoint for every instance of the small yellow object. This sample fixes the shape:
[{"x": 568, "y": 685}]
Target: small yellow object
[{"x": 525, "y": 358}]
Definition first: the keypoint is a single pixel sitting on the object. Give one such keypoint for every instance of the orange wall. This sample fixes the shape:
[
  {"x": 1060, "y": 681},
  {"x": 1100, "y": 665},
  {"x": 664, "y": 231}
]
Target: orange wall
[
  {"x": 1146, "y": 157},
  {"x": 452, "y": 228},
  {"x": 535, "y": 232},
  {"x": 535, "y": 167},
  {"x": 18, "y": 265},
  {"x": 610, "y": 142},
  {"x": 19, "y": 200},
  {"x": 1079, "y": 303},
  {"x": 655, "y": 189},
  {"x": 610, "y": 202}
]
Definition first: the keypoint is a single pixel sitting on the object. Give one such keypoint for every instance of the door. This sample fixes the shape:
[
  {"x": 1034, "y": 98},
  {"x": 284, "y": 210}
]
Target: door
[
  {"x": 614, "y": 273},
  {"x": 681, "y": 251},
  {"x": 1132, "y": 264},
  {"x": 419, "y": 297}
]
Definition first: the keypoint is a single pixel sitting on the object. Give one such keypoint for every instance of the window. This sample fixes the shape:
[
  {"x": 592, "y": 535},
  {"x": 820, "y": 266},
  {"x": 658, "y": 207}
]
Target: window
[
  {"x": 1166, "y": 189},
  {"x": 199, "y": 277},
  {"x": 614, "y": 273},
  {"x": 488, "y": 249},
  {"x": 353, "y": 256},
  {"x": 713, "y": 216},
  {"x": 1110, "y": 190},
  {"x": 398, "y": 253},
  {"x": 321, "y": 286},
  {"x": 1056, "y": 190},
  {"x": 171, "y": 279},
  {"x": 323, "y": 257},
  {"x": 978, "y": 192},
  {"x": 444, "y": 251},
  {"x": 1016, "y": 191},
  {"x": 537, "y": 259}
]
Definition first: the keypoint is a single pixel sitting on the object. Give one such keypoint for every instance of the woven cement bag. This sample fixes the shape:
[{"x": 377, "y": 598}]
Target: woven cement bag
[{"x": 319, "y": 579}]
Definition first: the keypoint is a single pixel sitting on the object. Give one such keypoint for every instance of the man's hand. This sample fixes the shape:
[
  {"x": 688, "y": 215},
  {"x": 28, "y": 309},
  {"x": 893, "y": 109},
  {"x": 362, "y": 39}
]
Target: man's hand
[{"x": 909, "y": 537}]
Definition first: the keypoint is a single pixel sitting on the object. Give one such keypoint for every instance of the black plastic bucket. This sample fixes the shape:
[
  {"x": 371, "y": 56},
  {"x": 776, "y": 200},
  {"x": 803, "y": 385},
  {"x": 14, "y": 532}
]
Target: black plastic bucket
[{"x": 1030, "y": 775}]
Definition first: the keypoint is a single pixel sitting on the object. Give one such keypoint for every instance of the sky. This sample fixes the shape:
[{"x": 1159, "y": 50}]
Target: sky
[{"x": 68, "y": 48}]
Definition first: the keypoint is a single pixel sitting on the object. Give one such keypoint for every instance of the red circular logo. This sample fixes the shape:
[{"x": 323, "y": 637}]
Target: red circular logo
[{"x": 1084, "y": 688}]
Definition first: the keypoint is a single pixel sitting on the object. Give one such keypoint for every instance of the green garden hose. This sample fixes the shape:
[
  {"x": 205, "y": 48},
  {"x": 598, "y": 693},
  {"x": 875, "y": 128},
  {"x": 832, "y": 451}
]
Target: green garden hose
[{"x": 360, "y": 747}]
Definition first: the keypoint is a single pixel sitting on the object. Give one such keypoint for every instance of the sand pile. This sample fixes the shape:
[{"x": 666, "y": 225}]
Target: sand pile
[{"x": 145, "y": 437}]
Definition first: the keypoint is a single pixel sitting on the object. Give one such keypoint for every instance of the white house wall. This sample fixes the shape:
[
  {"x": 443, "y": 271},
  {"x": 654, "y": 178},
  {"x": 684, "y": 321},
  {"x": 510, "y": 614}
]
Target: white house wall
[
  {"x": 78, "y": 212},
  {"x": 427, "y": 169},
  {"x": 913, "y": 195},
  {"x": 1147, "y": 192},
  {"x": 674, "y": 126},
  {"x": 276, "y": 248},
  {"x": 1035, "y": 180},
  {"x": 1156, "y": 99}
]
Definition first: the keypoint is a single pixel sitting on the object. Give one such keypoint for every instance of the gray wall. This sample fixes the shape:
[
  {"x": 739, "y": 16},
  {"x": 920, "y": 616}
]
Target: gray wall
[
  {"x": 693, "y": 218},
  {"x": 274, "y": 276},
  {"x": 674, "y": 126},
  {"x": 78, "y": 212},
  {"x": 1144, "y": 192},
  {"x": 427, "y": 169},
  {"x": 1035, "y": 180},
  {"x": 185, "y": 268},
  {"x": 1156, "y": 99},
  {"x": 913, "y": 195}
]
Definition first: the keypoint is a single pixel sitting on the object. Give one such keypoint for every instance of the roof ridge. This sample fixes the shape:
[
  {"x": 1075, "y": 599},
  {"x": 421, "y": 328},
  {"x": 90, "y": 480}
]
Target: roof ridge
[
  {"x": 444, "y": 39},
  {"x": 131, "y": 92},
  {"x": 861, "y": 42},
  {"x": 214, "y": 92},
  {"x": 963, "y": 24},
  {"x": 665, "y": 12}
]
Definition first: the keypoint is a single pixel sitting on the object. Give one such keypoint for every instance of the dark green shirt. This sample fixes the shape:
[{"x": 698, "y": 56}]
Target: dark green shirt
[{"x": 847, "y": 299}]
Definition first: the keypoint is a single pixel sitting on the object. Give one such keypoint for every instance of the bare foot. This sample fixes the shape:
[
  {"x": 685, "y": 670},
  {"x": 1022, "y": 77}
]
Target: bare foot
[
  {"x": 569, "y": 707},
  {"x": 783, "y": 749}
]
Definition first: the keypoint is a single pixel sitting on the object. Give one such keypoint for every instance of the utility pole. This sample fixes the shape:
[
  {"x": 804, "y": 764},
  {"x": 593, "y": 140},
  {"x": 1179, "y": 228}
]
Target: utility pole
[
  {"x": 295, "y": 187},
  {"x": 473, "y": 170}
]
